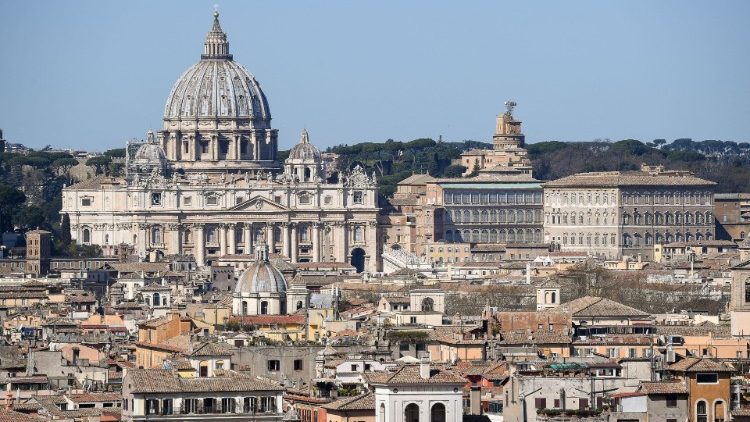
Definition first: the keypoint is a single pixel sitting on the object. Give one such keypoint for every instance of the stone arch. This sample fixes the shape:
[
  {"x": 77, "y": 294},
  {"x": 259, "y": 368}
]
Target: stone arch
[
  {"x": 437, "y": 413},
  {"x": 358, "y": 259}
]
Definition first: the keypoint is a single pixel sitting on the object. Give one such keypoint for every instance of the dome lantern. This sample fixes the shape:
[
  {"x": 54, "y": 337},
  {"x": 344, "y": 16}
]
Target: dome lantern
[{"x": 216, "y": 45}]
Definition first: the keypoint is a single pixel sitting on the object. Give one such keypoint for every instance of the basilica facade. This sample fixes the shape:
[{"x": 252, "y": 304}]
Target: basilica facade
[{"x": 209, "y": 184}]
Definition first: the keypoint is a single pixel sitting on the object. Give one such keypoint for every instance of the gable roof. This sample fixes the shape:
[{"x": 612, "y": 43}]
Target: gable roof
[
  {"x": 260, "y": 204},
  {"x": 167, "y": 381},
  {"x": 361, "y": 402},
  {"x": 699, "y": 365},
  {"x": 410, "y": 374},
  {"x": 593, "y": 306}
]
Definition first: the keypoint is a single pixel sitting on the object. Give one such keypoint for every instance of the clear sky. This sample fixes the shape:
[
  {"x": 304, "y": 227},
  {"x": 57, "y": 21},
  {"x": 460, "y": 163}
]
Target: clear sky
[{"x": 92, "y": 74}]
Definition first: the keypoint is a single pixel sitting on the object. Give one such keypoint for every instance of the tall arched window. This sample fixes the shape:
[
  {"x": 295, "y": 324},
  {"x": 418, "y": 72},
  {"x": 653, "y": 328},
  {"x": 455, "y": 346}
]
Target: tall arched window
[
  {"x": 701, "y": 411},
  {"x": 264, "y": 308},
  {"x": 381, "y": 413},
  {"x": 411, "y": 413},
  {"x": 359, "y": 234},
  {"x": 156, "y": 235},
  {"x": 437, "y": 413},
  {"x": 86, "y": 236}
]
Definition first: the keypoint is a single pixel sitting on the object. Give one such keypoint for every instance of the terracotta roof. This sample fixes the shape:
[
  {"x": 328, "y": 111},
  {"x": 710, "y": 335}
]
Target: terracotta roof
[
  {"x": 629, "y": 178},
  {"x": 212, "y": 349},
  {"x": 592, "y": 306},
  {"x": 718, "y": 331},
  {"x": 95, "y": 183},
  {"x": 417, "y": 179},
  {"x": 539, "y": 337},
  {"x": 410, "y": 374},
  {"x": 133, "y": 267},
  {"x": 166, "y": 381},
  {"x": 699, "y": 365},
  {"x": 13, "y": 416},
  {"x": 95, "y": 397},
  {"x": 398, "y": 299},
  {"x": 362, "y": 402},
  {"x": 663, "y": 387}
]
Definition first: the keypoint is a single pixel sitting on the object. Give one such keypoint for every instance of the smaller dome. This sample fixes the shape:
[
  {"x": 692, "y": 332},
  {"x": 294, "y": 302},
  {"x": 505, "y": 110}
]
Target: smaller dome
[
  {"x": 304, "y": 150},
  {"x": 261, "y": 277},
  {"x": 150, "y": 152}
]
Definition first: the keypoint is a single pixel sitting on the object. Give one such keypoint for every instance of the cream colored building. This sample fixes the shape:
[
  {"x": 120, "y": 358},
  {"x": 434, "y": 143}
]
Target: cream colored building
[
  {"x": 209, "y": 185},
  {"x": 625, "y": 213}
]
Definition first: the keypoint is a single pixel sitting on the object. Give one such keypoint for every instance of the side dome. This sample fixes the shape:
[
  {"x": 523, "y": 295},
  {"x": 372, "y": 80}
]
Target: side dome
[
  {"x": 304, "y": 150},
  {"x": 149, "y": 153},
  {"x": 217, "y": 87},
  {"x": 261, "y": 277}
]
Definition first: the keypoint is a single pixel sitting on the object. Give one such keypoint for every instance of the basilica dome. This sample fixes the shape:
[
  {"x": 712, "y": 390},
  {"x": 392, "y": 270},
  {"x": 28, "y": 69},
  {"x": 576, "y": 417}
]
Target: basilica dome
[
  {"x": 217, "y": 86},
  {"x": 149, "y": 153},
  {"x": 261, "y": 277}
]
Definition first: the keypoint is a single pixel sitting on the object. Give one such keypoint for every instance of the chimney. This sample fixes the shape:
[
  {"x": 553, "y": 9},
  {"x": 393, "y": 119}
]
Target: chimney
[
  {"x": 475, "y": 400},
  {"x": 424, "y": 368}
]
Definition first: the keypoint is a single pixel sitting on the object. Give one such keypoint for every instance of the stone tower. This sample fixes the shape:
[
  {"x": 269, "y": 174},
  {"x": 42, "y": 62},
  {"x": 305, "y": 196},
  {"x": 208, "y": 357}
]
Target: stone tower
[{"x": 38, "y": 251}]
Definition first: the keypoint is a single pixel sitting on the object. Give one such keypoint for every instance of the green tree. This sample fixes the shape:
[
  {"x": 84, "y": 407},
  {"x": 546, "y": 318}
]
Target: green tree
[
  {"x": 65, "y": 230},
  {"x": 11, "y": 200},
  {"x": 30, "y": 218},
  {"x": 99, "y": 163},
  {"x": 455, "y": 170}
]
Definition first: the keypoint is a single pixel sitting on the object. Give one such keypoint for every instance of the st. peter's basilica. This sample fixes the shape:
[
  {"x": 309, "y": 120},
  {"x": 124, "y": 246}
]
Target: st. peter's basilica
[{"x": 209, "y": 184}]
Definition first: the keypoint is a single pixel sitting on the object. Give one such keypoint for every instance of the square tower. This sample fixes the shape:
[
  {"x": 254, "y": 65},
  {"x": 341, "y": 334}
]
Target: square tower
[{"x": 38, "y": 251}]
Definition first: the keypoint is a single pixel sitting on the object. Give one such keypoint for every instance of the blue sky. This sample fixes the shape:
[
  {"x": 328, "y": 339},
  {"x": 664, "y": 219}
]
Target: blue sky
[{"x": 92, "y": 74}]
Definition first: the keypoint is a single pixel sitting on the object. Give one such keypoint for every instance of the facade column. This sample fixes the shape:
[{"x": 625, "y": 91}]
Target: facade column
[
  {"x": 269, "y": 237},
  {"x": 285, "y": 240},
  {"x": 222, "y": 232},
  {"x": 316, "y": 242},
  {"x": 142, "y": 239},
  {"x": 232, "y": 239},
  {"x": 199, "y": 245},
  {"x": 215, "y": 148},
  {"x": 247, "y": 235},
  {"x": 339, "y": 236},
  {"x": 294, "y": 243},
  {"x": 175, "y": 233}
]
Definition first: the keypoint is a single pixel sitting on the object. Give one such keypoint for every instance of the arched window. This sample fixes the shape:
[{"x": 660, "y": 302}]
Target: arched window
[
  {"x": 648, "y": 218},
  {"x": 157, "y": 299},
  {"x": 648, "y": 239},
  {"x": 627, "y": 240},
  {"x": 381, "y": 413},
  {"x": 719, "y": 413},
  {"x": 187, "y": 237},
  {"x": 484, "y": 216},
  {"x": 359, "y": 234},
  {"x": 106, "y": 239},
  {"x": 437, "y": 413},
  {"x": 659, "y": 219},
  {"x": 701, "y": 411},
  {"x": 428, "y": 305},
  {"x": 264, "y": 308},
  {"x": 678, "y": 218},
  {"x": 299, "y": 304},
  {"x": 709, "y": 236},
  {"x": 668, "y": 218},
  {"x": 156, "y": 235},
  {"x": 86, "y": 236},
  {"x": 411, "y": 413},
  {"x": 244, "y": 307}
]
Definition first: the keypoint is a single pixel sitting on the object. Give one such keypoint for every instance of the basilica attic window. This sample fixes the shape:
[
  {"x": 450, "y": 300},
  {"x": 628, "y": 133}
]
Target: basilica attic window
[
  {"x": 212, "y": 200},
  {"x": 304, "y": 198},
  {"x": 327, "y": 200},
  {"x": 188, "y": 200},
  {"x": 156, "y": 198},
  {"x": 358, "y": 197},
  {"x": 86, "y": 202}
]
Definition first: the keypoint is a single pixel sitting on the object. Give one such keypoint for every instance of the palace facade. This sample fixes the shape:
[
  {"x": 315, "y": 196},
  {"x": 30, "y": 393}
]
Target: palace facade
[
  {"x": 208, "y": 183},
  {"x": 619, "y": 213}
]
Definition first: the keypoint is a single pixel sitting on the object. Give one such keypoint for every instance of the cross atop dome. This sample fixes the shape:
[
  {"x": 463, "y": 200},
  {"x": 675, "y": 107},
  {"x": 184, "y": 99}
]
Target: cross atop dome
[
  {"x": 216, "y": 45},
  {"x": 305, "y": 137}
]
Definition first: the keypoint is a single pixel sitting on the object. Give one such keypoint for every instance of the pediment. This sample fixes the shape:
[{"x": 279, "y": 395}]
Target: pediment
[{"x": 259, "y": 203}]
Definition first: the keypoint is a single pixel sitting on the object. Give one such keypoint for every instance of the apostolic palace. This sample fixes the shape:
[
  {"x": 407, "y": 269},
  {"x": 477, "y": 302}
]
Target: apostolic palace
[{"x": 209, "y": 183}]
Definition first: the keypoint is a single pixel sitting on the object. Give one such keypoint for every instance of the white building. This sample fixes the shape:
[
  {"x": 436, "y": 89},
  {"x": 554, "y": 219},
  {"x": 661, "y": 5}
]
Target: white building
[
  {"x": 208, "y": 183},
  {"x": 418, "y": 393}
]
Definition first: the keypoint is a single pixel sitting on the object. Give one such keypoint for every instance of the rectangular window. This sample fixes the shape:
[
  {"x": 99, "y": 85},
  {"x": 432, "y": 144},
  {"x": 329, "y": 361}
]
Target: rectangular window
[
  {"x": 274, "y": 365},
  {"x": 212, "y": 200},
  {"x": 707, "y": 378},
  {"x": 188, "y": 200},
  {"x": 85, "y": 202},
  {"x": 358, "y": 197},
  {"x": 354, "y": 367},
  {"x": 671, "y": 400},
  {"x": 298, "y": 364},
  {"x": 540, "y": 403},
  {"x": 156, "y": 198}
]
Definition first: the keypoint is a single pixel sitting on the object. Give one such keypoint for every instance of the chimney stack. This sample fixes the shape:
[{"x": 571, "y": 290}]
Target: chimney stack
[
  {"x": 424, "y": 368},
  {"x": 475, "y": 400}
]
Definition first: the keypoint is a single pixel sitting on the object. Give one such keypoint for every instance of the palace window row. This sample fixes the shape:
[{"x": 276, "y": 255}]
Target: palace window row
[
  {"x": 494, "y": 236},
  {"x": 493, "y": 216},
  {"x": 486, "y": 198}
]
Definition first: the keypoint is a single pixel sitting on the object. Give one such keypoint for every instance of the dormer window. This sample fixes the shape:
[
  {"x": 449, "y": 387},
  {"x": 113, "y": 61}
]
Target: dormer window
[{"x": 358, "y": 196}]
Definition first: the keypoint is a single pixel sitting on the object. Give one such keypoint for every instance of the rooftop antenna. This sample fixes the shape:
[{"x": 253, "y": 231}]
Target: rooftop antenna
[{"x": 509, "y": 106}]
